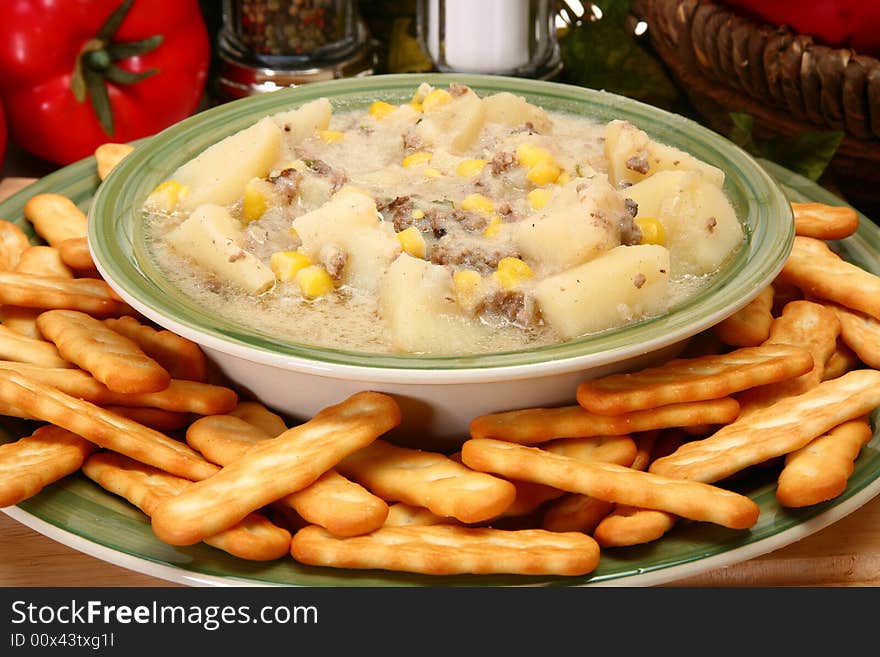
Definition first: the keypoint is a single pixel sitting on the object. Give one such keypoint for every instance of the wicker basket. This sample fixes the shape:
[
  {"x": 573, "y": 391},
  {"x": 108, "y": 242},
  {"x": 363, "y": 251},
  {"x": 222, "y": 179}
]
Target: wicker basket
[{"x": 726, "y": 62}]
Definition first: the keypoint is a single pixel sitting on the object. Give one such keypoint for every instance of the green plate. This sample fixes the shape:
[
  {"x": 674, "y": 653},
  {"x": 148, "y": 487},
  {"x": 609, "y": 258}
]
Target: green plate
[{"x": 77, "y": 513}]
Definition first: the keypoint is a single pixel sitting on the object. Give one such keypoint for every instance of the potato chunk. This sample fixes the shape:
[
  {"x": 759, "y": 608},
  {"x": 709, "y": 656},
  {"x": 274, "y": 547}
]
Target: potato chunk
[
  {"x": 512, "y": 110},
  {"x": 454, "y": 125},
  {"x": 418, "y": 307},
  {"x": 701, "y": 227},
  {"x": 625, "y": 284},
  {"x": 303, "y": 122},
  {"x": 212, "y": 237},
  {"x": 219, "y": 174},
  {"x": 350, "y": 224}
]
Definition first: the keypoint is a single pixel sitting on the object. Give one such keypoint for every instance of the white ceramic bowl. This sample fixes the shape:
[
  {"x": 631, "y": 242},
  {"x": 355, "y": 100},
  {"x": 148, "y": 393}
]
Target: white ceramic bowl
[{"x": 439, "y": 395}]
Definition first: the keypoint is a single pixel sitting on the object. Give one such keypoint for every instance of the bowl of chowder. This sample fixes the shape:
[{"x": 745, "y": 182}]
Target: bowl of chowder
[{"x": 465, "y": 243}]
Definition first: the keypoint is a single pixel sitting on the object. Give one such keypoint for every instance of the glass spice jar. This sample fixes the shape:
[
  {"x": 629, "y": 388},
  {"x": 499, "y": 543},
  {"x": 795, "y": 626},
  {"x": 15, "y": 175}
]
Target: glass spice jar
[{"x": 264, "y": 44}]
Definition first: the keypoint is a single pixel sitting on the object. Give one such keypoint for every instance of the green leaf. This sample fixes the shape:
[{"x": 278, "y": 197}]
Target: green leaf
[
  {"x": 97, "y": 90},
  {"x": 121, "y": 76},
  {"x": 131, "y": 48},
  {"x": 114, "y": 20},
  {"x": 808, "y": 153},
  {"x": 603, "y": 54}
]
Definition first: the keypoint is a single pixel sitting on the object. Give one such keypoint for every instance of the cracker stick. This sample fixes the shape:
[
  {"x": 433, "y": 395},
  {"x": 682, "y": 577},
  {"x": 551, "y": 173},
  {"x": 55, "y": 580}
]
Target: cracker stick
[
  {"x": 749, "y": 326},
  {"x": 824, "y": 222},
  {"x": 89, "y": 295},
  {"x": 401, "y": 514},
  {"x": 841, "y": 361},
  {"x": 531, "y": 426},
  {"x": 102, "y": 427},
  {"x": 255, "y": 538},
  {"x": 821, "y": 273},
  {"x": 574, "y": 512},
  {"x": 155, "y": 418},
  {"x": 182, "y": 358},
  {"x": 861, "y": 333},
  {"x": 55, "y": 218},
  {"x": 113, "y": 359},
  {"x": 255, "y": 413},
  {"x": 611, "y": 482},
  {"x": 274, "y": 468},
  {"x": 31, "y": 463},
  {"x": 778, "y": 429},
  {"x": 13, "y": 242},
  {"x": 693, "y": 379},
  {"x": 629, "y": 525},
  {"x": 428, "y": 479},
  {"x": 41, "y": 261},
  {"x": 180, "y": 396},
  {"x": 75, "y": 254},
  {"x": 450, "y": 550},
  {"x": 223, "y": 438},
  {"x": 809, "y": 325},
  {"x": 819, "y": 470},
  {"x": 109, "y": 155},
  {"x": 15, "y": 346}
]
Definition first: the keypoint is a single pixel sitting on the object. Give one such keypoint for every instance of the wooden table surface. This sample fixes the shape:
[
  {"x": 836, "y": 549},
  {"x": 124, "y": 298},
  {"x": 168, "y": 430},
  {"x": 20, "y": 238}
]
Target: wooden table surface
[{"x": 846, "y": 553}]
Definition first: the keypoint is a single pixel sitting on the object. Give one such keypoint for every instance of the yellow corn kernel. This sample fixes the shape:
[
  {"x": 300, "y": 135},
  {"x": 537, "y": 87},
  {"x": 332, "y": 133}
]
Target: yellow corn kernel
[
  {"x": 652, "y": 230},
  {"x": 529, "y": 155},
  {"x": 511, "y": 272},
  {"x": 493, "y": 228},
  {"x": 435, "y": 99},
  {"x": 468, "y": 168},
  {"x": 331, "y": 136},
  {"x": 167, "y": 195},
  {"x": 543, "y": 173},
  {"x": 432, "y": 173},
  {"x": 380, "y": 109},
  {"x": 466, "y": 285},
  {"x": 421, "y": 157},
  {"x": 563, "y": 178},
  {"x": 314, "y": 281},
  {"x": 417, "y": 106},
  {"x": 538, "y": 198},
  {"x": 417, "y": 214},
  {"x": 254, "y": 204},
  {"x": 412, "y": 242},
  {"x": 286, "y": 264},
  {"x": 477, "y": 203},
  {"x": 292, "y": 232}
]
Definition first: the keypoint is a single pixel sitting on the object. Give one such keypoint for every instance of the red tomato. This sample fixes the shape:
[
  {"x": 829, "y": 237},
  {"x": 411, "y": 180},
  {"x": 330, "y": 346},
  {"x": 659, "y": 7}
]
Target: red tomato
[
  {"x": 2, "y": 134},
  {"x": 837, "y": 23},
  {"x": 42, "y": 42}
]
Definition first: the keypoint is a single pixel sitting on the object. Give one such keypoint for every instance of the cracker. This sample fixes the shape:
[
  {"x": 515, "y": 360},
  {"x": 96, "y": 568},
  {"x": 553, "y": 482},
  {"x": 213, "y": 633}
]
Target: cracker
[
  {"x": 255, "y": 538},
  {"x": 611, "y": 482},
  {"x": 89, "y": 295},
  {"x": 861, "y": 333},
  {"x": 180, "y": 396},
  {"x": 810, "y": 326},
  {"x": 15, "y": 346},
  {"x": 401, "y": 514},
  {"x": 428, "y": 479},
  {"x": 113, "y": 359},
  {"x": 183, "y": 358},
  {"x": 13, "y": 242},
  {"x": 693, "y": 379},
  {"x": 574, "y": 512},
  {"x": 42, "y": 260},
  {"x": 108, "y": 156},
  {"x": 21, "y": 320},
  {"x": 274, "y": 468},
  {"x": 749, "y": 326},
  {"x": 29, "y": 464},
  {"x": 843, "y": 360},
  {"x": 629, "y": 525},
  {"x": 823, "y": 274},
  {"x": 778, "y": 429},
  {"x": 55, "y": 218},
  {"x": 819, "y": 470},
  {"x": 257, "y": 414},
  {"x": 450, "y": 550},
  {"x": 824, "y": 222},
  {"x": 102, "y": 427},
  {"x": 155, "y": 418},
  {"x": 530, "y": 426},
  {"x": 74, "y": 252}
]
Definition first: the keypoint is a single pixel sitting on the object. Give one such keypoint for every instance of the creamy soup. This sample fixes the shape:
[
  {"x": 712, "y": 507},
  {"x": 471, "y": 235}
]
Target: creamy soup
[{"x": 451, "y": 224}]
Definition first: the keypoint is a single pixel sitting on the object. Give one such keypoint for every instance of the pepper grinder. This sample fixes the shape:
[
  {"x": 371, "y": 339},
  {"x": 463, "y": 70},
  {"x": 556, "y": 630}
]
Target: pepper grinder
[
  {"x": 264, "y": 45},
  {"x": 501, "y": 37}
]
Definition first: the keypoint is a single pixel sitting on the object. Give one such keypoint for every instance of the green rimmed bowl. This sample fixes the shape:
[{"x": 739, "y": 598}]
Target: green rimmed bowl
[{"x": 439, "y": 395}]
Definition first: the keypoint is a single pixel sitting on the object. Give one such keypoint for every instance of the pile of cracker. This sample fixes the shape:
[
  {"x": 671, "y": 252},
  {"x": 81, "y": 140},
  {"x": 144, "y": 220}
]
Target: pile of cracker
[{"x": 787, "y": 384}]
